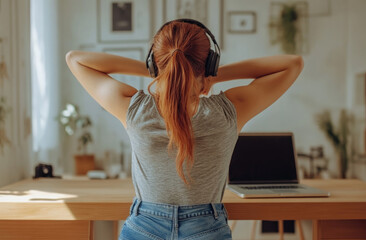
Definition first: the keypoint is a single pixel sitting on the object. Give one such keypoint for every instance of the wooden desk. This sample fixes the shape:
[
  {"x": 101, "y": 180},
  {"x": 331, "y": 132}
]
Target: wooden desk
[{"x": 65, "y": 209}]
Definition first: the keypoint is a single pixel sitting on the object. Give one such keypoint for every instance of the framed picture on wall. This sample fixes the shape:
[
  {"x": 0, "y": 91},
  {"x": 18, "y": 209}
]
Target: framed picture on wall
[
  {"x": 242, "y": 22},
  {"x": 195, "y": 9},
  {"x": 124, "y": 20},
  {"x": 207, "y": 12},
  {"x": 134, "y": 53}
]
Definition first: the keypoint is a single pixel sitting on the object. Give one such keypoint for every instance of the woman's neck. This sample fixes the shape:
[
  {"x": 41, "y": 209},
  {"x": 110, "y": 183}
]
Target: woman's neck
[{"x": 193, "y": 103}]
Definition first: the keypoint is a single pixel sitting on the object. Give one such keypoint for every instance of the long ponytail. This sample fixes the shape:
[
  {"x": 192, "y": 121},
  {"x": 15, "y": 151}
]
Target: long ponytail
[{"x": 179, "y": 66}]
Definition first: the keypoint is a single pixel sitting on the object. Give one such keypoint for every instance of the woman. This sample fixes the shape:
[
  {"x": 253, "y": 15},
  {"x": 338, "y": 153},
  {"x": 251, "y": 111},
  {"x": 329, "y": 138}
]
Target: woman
[{"x": 181, "y": 142}]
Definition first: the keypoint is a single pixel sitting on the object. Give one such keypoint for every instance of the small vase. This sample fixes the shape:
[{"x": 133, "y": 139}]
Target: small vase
[{"x": 84, "y": 163}]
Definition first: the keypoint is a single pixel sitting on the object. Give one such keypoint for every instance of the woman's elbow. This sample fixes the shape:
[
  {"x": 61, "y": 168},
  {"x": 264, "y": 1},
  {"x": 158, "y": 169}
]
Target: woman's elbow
[
  {"x": 71, "y": 56},
  {"x": 297, "y": 62}
]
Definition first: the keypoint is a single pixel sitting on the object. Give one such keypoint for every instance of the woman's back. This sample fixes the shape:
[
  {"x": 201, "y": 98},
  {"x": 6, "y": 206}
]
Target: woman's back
[
  {"x": 153, "y": 167},
  {"x": 180, "y": 163}
]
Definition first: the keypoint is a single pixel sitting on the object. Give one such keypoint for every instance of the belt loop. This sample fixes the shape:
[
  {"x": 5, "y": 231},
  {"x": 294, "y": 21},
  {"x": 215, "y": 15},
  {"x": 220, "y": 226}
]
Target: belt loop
[
  {"x": 226, "y": 214},
  {"x": 132, "y": 205},
  {"x": 214, "y": 210},
  {"x": 137, "y": 206}
]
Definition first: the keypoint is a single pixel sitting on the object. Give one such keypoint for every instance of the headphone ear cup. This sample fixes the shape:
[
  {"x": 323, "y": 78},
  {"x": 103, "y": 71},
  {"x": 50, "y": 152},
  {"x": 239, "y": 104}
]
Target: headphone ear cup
[
  {"x": 151, "y": 66},
  {"x": 209, "y": 63},
  {"x": 156, "y": 71},
  {"x": 212, "y": 63},
  {"x": 215, "y": 64}
]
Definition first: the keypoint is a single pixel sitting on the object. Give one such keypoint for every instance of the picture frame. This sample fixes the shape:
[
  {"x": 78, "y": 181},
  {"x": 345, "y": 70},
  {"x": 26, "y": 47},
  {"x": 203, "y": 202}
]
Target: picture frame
[
  {"x": 133, "y": 53},
  {"x": 211, "y": 16},
  {"x": 124, "y": 21},
  {"x": 195, "y": 9},
  {"x": 241, "y": 22}
]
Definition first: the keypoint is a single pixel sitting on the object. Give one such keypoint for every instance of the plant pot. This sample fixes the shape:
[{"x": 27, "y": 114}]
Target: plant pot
[{"x": 84, "y": 163}]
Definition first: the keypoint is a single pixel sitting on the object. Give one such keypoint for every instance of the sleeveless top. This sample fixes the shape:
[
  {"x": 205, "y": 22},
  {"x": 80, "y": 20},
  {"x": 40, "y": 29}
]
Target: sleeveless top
[{"x": 153, "y": 168}]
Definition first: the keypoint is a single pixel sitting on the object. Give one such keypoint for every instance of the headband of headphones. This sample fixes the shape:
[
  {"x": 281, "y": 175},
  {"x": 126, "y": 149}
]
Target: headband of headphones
[{"x": 213, "y": 57}]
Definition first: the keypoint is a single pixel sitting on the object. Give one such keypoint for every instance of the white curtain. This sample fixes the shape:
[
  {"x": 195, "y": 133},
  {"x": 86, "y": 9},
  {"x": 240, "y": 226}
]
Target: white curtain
[{"x": 45, "y": 80}]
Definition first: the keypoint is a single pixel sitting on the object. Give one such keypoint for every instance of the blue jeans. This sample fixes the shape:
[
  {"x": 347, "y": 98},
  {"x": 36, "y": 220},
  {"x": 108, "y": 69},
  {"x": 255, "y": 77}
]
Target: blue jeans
[{"x": 164, "y": 221}]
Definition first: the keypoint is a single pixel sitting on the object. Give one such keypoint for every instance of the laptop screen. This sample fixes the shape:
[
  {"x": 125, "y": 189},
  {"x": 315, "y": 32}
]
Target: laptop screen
[{"x": 263, "y": 159}]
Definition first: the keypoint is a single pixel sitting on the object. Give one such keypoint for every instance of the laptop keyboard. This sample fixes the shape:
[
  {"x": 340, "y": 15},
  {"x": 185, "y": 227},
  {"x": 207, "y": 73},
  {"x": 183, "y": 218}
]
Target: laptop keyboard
[{"x": 273, "y": 187}]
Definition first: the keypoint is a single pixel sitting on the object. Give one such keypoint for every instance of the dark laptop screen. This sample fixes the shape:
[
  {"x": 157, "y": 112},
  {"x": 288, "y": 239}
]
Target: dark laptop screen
[{"x": 263, "y": 158}]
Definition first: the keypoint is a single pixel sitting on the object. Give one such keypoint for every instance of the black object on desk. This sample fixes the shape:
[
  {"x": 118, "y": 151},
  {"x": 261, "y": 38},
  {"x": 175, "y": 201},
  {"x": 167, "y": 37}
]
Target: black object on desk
[{"x": 44, "y": 170}]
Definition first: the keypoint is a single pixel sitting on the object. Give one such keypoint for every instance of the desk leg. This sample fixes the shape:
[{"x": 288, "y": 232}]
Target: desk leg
[
  {"x": 299, "y": 227},
  {"x": 280, "y": 229},
  {"x": 115, "y": 230},
  {"x": 46, "y": 229},
  {"x": 339, "y": 229},
  {"x": 91, "y": 230}
]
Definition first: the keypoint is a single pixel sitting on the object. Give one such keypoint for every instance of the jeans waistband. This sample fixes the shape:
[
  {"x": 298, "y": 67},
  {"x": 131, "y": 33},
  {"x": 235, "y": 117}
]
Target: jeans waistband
[{"x": 182, "y": 211}]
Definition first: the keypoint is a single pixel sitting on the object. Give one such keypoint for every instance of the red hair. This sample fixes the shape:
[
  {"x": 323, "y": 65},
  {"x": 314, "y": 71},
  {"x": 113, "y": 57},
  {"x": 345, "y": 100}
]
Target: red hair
[{"x": 177, "y": 81}]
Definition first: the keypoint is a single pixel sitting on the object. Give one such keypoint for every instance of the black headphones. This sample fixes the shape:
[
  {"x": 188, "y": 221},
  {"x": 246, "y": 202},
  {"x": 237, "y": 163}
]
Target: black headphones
[{"x": 213, "y": 58}]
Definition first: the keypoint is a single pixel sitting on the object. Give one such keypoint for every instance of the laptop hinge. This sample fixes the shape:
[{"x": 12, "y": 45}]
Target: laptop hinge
[{"x": 264, "y": 182}]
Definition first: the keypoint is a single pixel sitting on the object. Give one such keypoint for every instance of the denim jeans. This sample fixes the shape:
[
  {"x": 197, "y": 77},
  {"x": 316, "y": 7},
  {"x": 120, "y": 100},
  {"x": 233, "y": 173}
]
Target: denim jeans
[{"x": 164, "y": 221}]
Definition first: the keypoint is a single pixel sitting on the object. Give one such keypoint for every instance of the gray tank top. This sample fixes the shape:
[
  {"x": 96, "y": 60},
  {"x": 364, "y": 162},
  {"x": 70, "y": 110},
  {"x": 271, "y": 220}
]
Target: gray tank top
[{"x": 154, "y": 175}]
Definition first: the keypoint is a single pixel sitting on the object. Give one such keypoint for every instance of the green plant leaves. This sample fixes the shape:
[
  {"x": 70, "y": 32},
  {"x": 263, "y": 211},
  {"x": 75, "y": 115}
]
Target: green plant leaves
[
  {"x": 338, "y": 136},
  {"x": 325, "y": 123},
  {"x": 71, "y": 120}
]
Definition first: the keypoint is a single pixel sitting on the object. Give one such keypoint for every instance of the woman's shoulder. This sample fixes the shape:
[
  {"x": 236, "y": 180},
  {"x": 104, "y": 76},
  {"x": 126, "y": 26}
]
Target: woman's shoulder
[
  {"x": 141, "y": 104},
  {"x": 140, "y": 97},
  {"x": 139, "y": 93},
  {"x": 220, "y": 100}
]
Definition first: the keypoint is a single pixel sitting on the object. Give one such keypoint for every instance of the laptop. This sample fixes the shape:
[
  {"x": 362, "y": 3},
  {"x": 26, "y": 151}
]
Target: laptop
[{"x": 264, "y": 165}]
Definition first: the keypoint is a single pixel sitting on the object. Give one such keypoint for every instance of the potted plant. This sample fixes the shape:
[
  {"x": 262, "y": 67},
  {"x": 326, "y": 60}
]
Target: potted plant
[
  {"x": 72, "y": 122},
  {"x": 339, "y": 137},
  {"x": 285, "y": 28},
  {"x": 3, "y": 111},
  {"x": 288, "y": 28}
]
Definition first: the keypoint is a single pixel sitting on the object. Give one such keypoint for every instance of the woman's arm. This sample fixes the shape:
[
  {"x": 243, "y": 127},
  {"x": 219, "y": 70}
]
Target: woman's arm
[
  {"x": 272, "y": 77},
  {"x": 91, "y": 69},
  {"x": 108, "y": 63}
]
